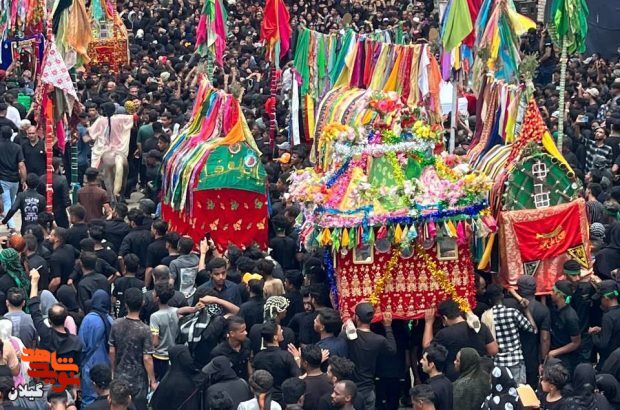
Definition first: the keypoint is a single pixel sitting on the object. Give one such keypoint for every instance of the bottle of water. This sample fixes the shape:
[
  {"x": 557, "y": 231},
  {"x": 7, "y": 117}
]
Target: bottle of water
[{"x": 350, "y": 330}]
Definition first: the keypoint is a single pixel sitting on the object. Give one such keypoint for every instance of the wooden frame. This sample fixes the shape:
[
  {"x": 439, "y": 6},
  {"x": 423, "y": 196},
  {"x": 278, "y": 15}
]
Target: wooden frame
[{"x": 447, "y": 249}]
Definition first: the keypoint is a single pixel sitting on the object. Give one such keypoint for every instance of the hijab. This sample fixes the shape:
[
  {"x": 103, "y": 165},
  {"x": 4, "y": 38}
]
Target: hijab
[
  {"x": 504, "y": 394},
  {"x": 47, "y": 301},
  {"x": 177, "y": 390},
  {"x": 610, "y": 388},
  {"x": 68, "y": 297},
  {"x": 583, "y": 385},
  {"x": 100, "y": 304},
  {"x": 473, "y": 384},
  {"x": 608, "y": 258}
]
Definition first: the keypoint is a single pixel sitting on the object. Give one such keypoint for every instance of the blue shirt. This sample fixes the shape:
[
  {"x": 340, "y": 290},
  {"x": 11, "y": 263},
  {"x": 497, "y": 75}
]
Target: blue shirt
[
  {"x": 230, "y": 291},
  {"x": 337, "y": 346}
]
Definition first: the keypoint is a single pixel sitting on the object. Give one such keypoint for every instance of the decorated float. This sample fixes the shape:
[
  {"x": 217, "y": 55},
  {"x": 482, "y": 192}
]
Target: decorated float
[
  {"x": 213, "y": 179},
  {"x": 110, "y": 42},
  {"x": 395, "y": 221},
  {"x": 535, "y": 197}
]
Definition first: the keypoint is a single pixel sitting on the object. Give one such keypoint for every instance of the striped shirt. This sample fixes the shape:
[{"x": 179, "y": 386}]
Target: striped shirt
[{"x": 593, "y": 151}]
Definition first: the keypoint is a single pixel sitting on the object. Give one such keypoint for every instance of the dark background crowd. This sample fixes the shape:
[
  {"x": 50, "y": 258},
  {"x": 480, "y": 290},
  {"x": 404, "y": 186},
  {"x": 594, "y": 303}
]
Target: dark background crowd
[{"x": 152, "y": 317}]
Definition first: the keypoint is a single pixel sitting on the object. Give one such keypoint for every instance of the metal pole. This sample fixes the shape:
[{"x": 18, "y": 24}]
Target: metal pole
[
  {"x": 455, "y": 108},
  {"x": 562, "y": 108}
]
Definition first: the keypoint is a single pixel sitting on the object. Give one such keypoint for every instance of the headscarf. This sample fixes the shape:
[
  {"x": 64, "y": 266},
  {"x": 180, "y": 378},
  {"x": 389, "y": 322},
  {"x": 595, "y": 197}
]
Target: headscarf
[
  {"x": 610, "y": 387},
  {"x": 13, "y": 267},
  {"x": 275, "y": 305},
  {"x": 68, "y": 297},
  {"x": 177, "y": 389},
  {"x": 504, "y": 394},
  {"x": 584, "y": 383},
  {"x": 219, "y": 370},
  {"x": 473, "y": 384},
  {"x": 100, "y": 304},
  {"x": 47, "y": 301}
]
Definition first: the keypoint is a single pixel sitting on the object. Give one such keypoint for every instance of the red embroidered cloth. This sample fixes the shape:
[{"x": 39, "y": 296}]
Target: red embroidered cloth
[{"x": 410, "y": 289}]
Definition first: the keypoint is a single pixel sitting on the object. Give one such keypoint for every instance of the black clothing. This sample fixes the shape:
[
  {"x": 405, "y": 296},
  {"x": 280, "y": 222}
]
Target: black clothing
[
  {"x": 156, "y": 252},
  {"x": 565, "y": 324},
  {"x": 364, "y": 352},
  {"x": 10, "y": 156},
  {"x": 35, "y": 157},
  {"x": 238, "y": 359},
  {"x": 237, "y": 389},
  {"x": 168, "y": 259},
  {"x": 30, "y": 203},
  {"x": 61, "y": 263},
  {"x": 100, "y": 403},
  {"x": 252, "y": 311},
  {"x": 326, "y": 402},
  {"x": 257, "y": 340},
  {"x": 210, "y": 337},
  {"x": 65, "y": 345},
  {"x": 6, "y": 122},
  {"x": 442, "y": 387},
  {"x": 60, "y": 197},
  {"x": 177, "y": 386},
  {"x": 283, "y": 250},
  {"x": 108, "y": 255},
  {"x": 87, "y": 286},
  {"x": 296, "y": 305},
  {"x": 34, "y": 261},
  {"x": 136, "y": 241},
  {"x": 120, "y": 287},
  {"x": 76, "y": 233},
  {"x": 316, "y": 387},
  {"x": 115, "y": 231},
  {"x": 458, "y": 336},
  {"x": 303, "y": 326},
  {"x": 280, "y": 363},
  {"x": 608, "y": 339}
]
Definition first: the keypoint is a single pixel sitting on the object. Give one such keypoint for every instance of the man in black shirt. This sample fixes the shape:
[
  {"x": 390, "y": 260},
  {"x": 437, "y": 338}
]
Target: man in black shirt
[
  {"x": 29, "y": 202},
  {"x": 236, "y": 347},
  {"x": 283, "y": 248},
  {"x": 54, "y": 338},
  {"x": 101, "y": 376},
  {"x": 156, "y": 250},
  {"x": 4, "y": 121},
  {"x": 338, "y": 369},
  {"x": 127, "y": 281},
  {"x": 79, "y": 229},
  {"x": 252, "y": 310},
  {"x": 12, "y": 167},
  {"x": 36, "y": 261},
  {"x": 293, "y": 280},
  {"x": 62, "y": 258},
  {"x": 60, "y": 197},
  {"x": 116, "y": 228},
  {"x": 565, "y": 332},
  {"x": 581, "y": 302},
  {"x": 606, "y": 338},
  {"x": 91, "y": 281},
  {"x": 34, "y": 152},
  {"x": 433, "y": 364},
  {"x": 139, "y": 238},
  {"x": 366, "y": 348},
  {"x": 172, "y": 243},
  {"x": 456, "y": 334}
]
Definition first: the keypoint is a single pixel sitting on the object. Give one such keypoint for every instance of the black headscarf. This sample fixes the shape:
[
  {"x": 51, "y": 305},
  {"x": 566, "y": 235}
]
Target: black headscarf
[
  {"x": 609, "y": 386},
  {"x": 177, "y": 390},
  {"x": 68, "y": 297},
  {"x": 584, "y": 383},
  {"x": 473, "y": 385},
  {"x": 608, "y": 258},
  {"x": 503, "y": 391}
]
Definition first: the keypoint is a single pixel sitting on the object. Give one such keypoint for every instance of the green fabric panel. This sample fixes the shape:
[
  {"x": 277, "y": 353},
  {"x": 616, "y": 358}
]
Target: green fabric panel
[{"x": 225, "y": 169}]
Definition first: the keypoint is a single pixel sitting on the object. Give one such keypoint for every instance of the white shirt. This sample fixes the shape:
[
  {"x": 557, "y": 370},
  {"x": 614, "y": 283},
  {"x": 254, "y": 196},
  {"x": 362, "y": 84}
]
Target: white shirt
[
  {"x": 253, "y": 405},
  {"x": 13, "y": 115}
]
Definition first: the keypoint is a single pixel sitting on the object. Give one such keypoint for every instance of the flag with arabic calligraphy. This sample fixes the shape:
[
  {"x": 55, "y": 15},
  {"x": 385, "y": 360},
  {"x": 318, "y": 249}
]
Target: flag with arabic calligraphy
[{"x": 549, "y": 236}]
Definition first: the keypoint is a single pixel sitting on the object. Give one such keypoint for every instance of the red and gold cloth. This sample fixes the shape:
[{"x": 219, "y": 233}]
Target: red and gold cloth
[
  {"x": 230, "y": 216},
  {"x": 548, "y": 236},
  {"x": 409, "y": 290},
  {"x": 519, "y": 245}
]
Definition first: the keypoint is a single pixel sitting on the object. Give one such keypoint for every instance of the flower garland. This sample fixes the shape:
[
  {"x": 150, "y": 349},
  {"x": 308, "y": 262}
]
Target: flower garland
[
  {"x": 376, "y": 150},
  {"x": 380, "y": 283},
  {"x": 442, "y": 280},
  {"x": 399, "y": 175},
  {"x": 331, "y": 279}
]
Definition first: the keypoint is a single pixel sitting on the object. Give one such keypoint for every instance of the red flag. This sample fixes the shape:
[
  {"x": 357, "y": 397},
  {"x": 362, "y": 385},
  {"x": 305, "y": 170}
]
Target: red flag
[
  {"x": 549, "y": 236},
  {"x": 276, "y": 29}
]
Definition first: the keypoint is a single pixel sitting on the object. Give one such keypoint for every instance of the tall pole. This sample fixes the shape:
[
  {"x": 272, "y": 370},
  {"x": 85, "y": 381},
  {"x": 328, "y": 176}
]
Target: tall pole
[
  {"x": 561, "y": 108},
  {"x": 455, "y": 108}
]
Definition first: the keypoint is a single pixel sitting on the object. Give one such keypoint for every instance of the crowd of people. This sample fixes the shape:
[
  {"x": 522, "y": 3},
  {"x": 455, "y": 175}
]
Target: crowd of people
[{"x": 155, "y": 320}]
